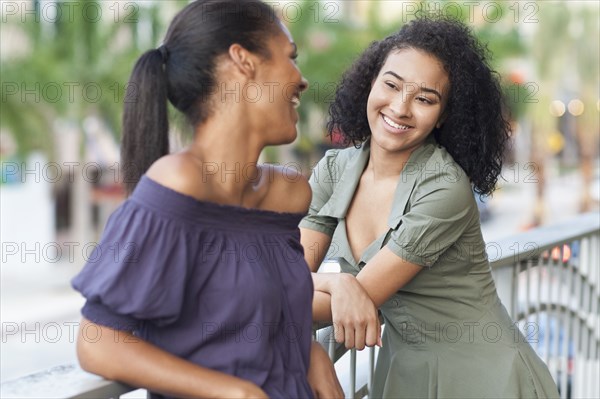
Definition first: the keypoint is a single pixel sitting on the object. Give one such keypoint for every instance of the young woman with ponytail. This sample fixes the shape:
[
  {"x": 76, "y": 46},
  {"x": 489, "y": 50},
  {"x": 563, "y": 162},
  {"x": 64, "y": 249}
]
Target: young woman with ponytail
[{"x": 199, "y": 287}]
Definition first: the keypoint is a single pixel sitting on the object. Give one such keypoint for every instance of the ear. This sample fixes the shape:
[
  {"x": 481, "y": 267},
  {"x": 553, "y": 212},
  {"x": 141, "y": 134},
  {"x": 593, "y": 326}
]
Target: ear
[{"x": 243, "y": 59}]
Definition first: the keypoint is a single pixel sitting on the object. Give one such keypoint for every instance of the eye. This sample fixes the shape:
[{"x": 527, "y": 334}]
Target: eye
[
  {"x": 391, "y": 85},
  {"x": 424, "y": 100}
]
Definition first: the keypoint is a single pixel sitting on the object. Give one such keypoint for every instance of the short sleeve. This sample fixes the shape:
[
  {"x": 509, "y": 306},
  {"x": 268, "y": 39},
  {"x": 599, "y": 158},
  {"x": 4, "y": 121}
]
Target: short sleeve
[
  {"x": 324, "y": 175},
  {"x": 137, "y": 272},
  {"x": 440, "y": 209}
]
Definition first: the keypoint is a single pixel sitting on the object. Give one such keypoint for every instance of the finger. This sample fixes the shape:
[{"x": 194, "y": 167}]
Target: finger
[
  {"x": 338, "y": 332},
  {"x": 360, "y": 337},
  {"x": 349, "y": 337},
  {"x": 372, "y": 334}
]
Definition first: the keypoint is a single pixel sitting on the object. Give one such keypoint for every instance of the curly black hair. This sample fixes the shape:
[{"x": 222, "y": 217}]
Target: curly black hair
[{"x": 476, "y": 130}]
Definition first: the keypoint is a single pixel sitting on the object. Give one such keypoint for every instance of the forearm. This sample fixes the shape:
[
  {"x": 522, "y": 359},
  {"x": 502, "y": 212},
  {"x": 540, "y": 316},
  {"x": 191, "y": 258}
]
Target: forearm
[
  {"x": 321, "y": 374},
  {"x": 315, "y": 246},
  {"x": 322, "y": 307},
  {"x": 325, "y": 282},
  {"x": 349, "y": 308},
  {"x": 324, "y": 285},
  {"x": 118, "y": 355}
]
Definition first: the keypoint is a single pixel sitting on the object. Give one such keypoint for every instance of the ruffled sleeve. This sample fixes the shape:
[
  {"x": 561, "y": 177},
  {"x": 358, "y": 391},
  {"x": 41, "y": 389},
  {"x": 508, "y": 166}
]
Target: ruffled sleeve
[
  {"x": 322, "y": 180},
  {"x": 441, "y": 207},
  {"x": 138, "y": 270}
]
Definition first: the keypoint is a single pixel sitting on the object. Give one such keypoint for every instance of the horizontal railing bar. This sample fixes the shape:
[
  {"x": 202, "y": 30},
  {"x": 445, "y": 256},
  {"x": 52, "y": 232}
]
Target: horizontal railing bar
[
  {"x": 361, "y": 392},
  {"x": 69, "y": 381},
  {"x": 546, "y": 237},
  {"x": 66, "y": 381}
]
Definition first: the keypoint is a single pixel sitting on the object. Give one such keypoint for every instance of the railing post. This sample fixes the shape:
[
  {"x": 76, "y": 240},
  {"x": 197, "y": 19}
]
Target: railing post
[
  {"x": 371, "y": 369},
  {"x": 353, "y": 373}
]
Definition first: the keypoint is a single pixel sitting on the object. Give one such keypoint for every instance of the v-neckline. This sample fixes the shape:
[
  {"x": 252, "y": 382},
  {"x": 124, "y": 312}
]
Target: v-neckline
[
  {"x": 344, "y": 189},
  {"x": 348, "y": 249}
]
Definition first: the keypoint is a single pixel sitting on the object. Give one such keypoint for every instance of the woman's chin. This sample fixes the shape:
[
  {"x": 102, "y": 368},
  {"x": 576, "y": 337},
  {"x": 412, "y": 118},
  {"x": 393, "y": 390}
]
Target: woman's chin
[
  {"x": 282, "y": 139},
  {"x": 290, "y": 135}
]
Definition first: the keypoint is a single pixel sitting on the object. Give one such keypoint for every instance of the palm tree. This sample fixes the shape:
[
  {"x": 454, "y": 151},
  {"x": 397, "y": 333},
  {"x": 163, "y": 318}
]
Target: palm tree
[{"x": 76, "y": 66}]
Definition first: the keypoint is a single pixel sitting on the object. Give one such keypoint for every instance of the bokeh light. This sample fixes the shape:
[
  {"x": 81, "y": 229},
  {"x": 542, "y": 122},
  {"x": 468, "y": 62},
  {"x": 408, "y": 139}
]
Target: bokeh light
[
  {"x": 557, "y": 108},
  {"x": 576, "y": 107}
]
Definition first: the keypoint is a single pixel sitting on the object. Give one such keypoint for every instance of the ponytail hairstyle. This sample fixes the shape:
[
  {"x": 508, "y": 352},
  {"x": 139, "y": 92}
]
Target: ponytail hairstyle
[{"x": 182, "y": 71}]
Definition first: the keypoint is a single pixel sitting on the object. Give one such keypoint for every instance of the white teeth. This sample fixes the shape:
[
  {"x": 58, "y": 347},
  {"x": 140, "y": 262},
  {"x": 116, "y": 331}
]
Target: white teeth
[
  {"x": 296, "y": 101},
  {"x": 394, "y": 124}
]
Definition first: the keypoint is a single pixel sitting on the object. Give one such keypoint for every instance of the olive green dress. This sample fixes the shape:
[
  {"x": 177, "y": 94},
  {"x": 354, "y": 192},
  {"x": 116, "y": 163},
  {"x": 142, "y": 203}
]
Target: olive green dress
[{"x": 446, "y": 333}]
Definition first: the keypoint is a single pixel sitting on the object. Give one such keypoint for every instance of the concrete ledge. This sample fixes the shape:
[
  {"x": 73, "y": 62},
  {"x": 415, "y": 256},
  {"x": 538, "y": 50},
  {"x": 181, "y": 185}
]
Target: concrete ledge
[{"x": 67, "y": 381}]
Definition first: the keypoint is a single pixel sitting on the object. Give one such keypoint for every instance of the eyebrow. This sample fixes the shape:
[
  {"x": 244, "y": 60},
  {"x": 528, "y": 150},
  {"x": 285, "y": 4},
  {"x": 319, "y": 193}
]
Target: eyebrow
[{"x": 425, "y": 89}]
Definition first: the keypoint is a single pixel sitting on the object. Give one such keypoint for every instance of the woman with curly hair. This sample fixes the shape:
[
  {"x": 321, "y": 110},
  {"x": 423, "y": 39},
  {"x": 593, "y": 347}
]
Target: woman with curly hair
[{"x": 425, "y": 114}]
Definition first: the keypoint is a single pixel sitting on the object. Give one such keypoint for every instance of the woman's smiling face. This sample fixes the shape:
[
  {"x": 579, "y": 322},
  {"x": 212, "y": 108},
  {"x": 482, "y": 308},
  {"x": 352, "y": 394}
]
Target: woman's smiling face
[
  {"x": 280, "y": 84},
  {"x": 407, "y": 100}
]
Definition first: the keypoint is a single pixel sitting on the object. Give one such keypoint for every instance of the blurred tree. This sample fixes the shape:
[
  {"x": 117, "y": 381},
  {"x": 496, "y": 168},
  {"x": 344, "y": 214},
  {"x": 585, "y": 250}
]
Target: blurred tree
[
  {"x": 330, "y": 39},
  {"x": 565, "y": 54},
  {"x": 77, "y": 65},
  {"x": 552, "y": 22},
  {"x": 585, "y": 38}
]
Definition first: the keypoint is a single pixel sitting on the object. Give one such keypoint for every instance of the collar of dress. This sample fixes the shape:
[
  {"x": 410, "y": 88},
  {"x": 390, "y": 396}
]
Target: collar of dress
[{"x": 344, "y": 187}]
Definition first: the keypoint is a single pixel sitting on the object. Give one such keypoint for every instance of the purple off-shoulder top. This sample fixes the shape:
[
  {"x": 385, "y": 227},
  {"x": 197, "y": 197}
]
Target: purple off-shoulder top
[{"x": 224, "y": 287}]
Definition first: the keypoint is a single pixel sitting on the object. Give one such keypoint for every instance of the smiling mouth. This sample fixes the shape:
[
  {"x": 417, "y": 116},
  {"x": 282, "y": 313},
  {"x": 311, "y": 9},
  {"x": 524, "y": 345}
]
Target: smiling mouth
[
  {"x": 395, "y": 125},
  {"x": 295, "y": 100}
]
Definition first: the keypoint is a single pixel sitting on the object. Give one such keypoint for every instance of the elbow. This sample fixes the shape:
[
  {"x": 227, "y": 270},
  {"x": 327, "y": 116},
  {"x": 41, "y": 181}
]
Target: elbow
[{"x": 93, "y": 357}]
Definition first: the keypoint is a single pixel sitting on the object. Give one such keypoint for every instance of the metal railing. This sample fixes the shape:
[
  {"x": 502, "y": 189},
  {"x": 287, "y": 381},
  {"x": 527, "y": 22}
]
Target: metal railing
[{"x": 548, "y": 279}]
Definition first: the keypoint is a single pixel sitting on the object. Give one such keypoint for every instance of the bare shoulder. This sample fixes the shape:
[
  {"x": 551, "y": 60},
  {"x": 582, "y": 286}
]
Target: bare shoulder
[
  {"x": 289, "y": 190},
  {"x": 180, "y": 173}
]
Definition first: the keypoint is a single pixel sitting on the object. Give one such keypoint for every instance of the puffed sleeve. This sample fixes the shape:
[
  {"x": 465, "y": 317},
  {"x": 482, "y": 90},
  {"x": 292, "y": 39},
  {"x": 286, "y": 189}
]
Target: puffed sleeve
[
  {"x": 322, "y": 180},
  {"x": 440, "y": 209},
  {"x": 138, "y": 270}
]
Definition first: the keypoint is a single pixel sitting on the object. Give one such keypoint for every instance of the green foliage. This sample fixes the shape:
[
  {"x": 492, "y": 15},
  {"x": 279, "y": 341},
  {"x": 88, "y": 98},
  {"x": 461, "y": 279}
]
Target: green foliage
[
  {"x": 76, "y": 65},
  {"x": 88, "y": 55},
  {"x": 327, "y": 48},
  {"x": 328, "y": 44}
]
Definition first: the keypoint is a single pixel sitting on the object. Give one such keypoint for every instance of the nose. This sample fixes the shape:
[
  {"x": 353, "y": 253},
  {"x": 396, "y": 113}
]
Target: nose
[
  {"x": 303, "y": 84},
  {"x": 400, "y": 106}
]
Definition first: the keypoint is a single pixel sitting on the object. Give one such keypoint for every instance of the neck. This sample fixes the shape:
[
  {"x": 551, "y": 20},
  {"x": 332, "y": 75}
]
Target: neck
[
  {"x": 227, "y": 151},
  {"x": 384, "y": 164}
]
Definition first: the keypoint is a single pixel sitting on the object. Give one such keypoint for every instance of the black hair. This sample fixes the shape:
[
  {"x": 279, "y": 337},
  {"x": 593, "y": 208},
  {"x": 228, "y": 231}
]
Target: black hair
[
  {"x": 476, "y": 129},
  {"x": 182, "y": 70}
]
